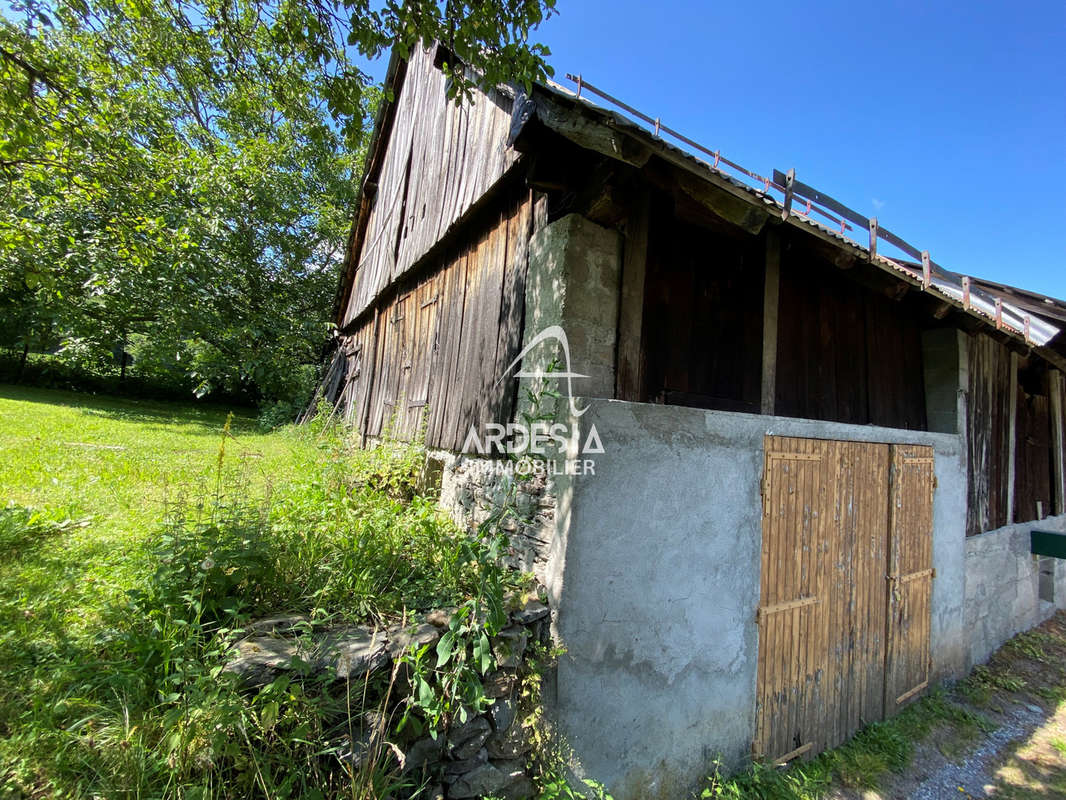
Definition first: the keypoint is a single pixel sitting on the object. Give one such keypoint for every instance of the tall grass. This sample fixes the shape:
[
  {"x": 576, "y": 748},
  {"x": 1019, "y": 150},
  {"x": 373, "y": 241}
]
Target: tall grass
[{"x": 137, "y": 704}]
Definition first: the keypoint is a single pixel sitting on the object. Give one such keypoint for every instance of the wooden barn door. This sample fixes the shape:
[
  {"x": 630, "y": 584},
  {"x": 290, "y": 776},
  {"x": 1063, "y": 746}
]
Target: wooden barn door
[
  {"x": 910, "y": 576},
  {"x": 829, "y": 651},
  {"x": 798, "y": 542}
]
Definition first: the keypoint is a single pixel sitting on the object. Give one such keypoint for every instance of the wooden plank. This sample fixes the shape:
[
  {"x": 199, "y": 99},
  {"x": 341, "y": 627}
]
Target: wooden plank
[
  {"x": 630, "y": 378},
  {"x": 910, "y": 575},
  {"x": 1012, "y": 436},
  {"x": 793, "y": 754},
  {"x": 988, "y": 434},
  {"x": 512, "y": 310},
  {"x": 769, "y": 337},
  {"x": 486, "y": 387},
  {"x": 798, "y": 456},
  {"x": 1058, "y": 470},
  {"x": 894, "y": 240},
  {"x": 767, "y": 611},
  {"x": 903, "y": 698},
  {"x": 368, "y": 390},
  {"x": 825, "y": 201}
]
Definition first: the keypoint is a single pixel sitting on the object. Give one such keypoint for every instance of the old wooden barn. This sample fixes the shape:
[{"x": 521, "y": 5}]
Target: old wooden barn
[{"x": 822, "y": 457}]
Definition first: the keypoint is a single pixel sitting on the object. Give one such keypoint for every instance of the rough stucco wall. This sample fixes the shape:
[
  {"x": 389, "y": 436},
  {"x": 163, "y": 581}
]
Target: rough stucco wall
[
  {"x": 1003, "y": 586},
  {"x": 654, "y": 580}
]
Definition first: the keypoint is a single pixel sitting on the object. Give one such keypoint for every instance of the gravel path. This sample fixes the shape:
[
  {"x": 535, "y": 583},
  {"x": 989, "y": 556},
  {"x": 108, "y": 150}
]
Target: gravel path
[{"x": 976, "y": 771}]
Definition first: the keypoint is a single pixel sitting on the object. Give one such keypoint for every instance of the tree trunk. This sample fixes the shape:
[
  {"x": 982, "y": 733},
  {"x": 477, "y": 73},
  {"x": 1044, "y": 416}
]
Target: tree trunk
[{"x": 125, "y": 357}]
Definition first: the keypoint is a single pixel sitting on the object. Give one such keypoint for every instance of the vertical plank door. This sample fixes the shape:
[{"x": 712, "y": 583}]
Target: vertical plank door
[
  {"x": 910, "y": 575},
  {"x": 845, "y": 589},
  {"x": 798, "y": 504}
]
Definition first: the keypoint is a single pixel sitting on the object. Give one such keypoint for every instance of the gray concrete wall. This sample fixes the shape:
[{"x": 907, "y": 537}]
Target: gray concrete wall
[
  {"x": 944, "y": 365},
  {"x": 1003, "y": 586},
  {"x": 654, "y": 579}
]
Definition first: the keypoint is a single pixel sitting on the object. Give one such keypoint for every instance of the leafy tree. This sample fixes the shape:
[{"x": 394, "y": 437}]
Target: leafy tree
[{"x": 177, "y": 178}]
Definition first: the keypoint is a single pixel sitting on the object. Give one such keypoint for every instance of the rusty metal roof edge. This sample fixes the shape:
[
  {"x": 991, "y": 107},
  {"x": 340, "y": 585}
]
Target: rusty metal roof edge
[{"x": 1040, "y": 333}]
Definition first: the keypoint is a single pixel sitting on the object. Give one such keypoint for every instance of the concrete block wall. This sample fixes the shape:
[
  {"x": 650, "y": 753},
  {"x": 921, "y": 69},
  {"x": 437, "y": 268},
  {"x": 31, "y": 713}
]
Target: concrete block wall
[
  {"x": 1003, "y": 586},
  {"x": 573, "y": 282}
]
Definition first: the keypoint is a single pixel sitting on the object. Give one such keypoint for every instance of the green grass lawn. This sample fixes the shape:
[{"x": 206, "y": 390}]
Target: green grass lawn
[
  {"x": 110, "y": 465},
  {"x": 97, "y": 474}
]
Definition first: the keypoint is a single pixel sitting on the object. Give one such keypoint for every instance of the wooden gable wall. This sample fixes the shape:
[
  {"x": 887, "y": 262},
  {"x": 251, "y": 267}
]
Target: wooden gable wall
[
  {"x": 440, "y": 158},
  {"x": 428, "y": 364}
]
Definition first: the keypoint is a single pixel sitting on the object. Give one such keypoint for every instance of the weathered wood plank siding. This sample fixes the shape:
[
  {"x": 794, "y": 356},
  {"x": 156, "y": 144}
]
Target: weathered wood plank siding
[
  {"x": 845, "y": 353},
  {"x": 1033, "y": 495},
  {"x": 988, "y": 426},
  {"x": 440, "y": 158},
  {"x": 702, "y": 318},
  {"x": 429, "y": 362}
]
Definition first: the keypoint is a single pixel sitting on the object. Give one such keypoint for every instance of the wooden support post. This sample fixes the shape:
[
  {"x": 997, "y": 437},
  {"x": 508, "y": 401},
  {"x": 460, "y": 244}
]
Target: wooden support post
[
  {"x": 1058, "y": 476},
  {"x": 873, "y": 238},
  {"x": 1012, "y": 437},
  {"x": 629, "y": 383},
  {"x": 790, "y": 180},
  {"x": 927, "y": 270},
  {"x": 769, "y": 321}
]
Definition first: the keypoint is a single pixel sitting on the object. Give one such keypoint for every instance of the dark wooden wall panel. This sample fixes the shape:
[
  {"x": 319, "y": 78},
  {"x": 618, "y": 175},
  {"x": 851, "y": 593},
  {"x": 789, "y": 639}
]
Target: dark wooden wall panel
[
  {"x": 430, "y": 359},
  {"x": 845, "y": 353},
  {"x": 821, "y": 351},
  {"x": 1033, "y": 451},
  {"x": 702, "y": 319},
  {"x": 988, "y": 428},
  {"x": 896, "y": 387}
]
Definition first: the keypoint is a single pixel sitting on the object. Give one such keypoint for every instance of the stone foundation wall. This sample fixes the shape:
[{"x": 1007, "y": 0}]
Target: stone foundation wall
[
  {"x": 490, "y": 754},
  {"x": 1006, "y": 592},
  {"x": 472, "y": 489}
]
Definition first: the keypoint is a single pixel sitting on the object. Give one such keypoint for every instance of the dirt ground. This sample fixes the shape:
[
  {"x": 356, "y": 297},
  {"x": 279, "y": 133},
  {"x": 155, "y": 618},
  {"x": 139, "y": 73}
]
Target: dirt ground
[{"x": 1019, "y": 752}]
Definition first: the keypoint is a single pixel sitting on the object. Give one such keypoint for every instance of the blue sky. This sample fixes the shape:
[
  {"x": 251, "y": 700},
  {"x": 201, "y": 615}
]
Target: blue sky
[{"x": 947, "y": 121}]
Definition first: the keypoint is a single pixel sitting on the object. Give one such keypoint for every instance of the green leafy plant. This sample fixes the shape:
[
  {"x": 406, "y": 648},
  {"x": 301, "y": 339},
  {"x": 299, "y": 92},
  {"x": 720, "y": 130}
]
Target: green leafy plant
[{"x": 446, "y": 680}]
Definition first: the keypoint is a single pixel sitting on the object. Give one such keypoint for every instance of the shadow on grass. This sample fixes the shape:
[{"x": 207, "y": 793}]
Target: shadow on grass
[{"x": 39, "y": 586}]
